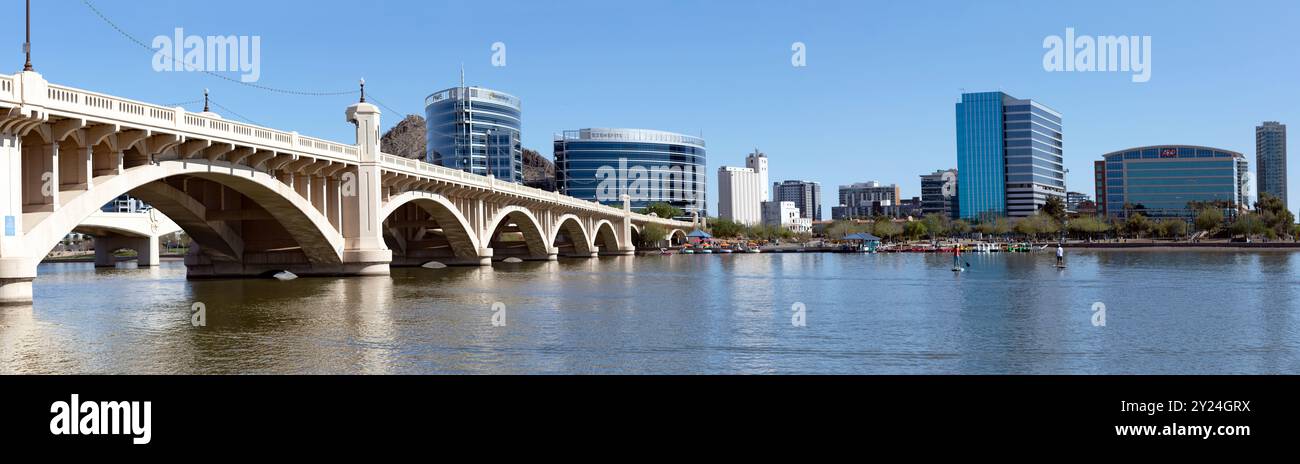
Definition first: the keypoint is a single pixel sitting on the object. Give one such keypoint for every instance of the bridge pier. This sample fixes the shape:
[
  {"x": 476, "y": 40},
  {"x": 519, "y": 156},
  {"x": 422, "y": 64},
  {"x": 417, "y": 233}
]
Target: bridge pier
[
  {"x": 17, "y": 268},
  {"x": 364, "y": 251},
  {"x": 16, "y": 276},
  {"x": 146, "y": 249}
]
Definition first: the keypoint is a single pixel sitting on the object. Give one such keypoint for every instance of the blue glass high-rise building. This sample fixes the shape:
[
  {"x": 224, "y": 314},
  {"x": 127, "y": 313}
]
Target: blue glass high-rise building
[
  {"x": 1010, "y": 156},
  {"x": 475, "y": 130}
]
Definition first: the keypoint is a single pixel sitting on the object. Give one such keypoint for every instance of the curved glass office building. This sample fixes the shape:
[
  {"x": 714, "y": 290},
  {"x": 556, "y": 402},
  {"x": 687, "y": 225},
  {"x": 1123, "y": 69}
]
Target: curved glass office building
[
  {"x": 649, "y": 166},
  {"x": 475, "y": 130},
  {"x": 1171, "y": 181}
]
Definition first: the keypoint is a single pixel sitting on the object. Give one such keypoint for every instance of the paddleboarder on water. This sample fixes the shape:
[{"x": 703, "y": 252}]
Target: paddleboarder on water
[{"x": 1060, "y": 255}]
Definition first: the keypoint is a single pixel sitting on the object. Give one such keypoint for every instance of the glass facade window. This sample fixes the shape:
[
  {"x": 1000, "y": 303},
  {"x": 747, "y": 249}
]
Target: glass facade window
[
  {"x": 649, "y": 166},
  {"x": 475, "y": 130}
]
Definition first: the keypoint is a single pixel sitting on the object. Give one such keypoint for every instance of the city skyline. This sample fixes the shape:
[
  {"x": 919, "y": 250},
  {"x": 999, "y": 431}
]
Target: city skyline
[{"x": 875, "y": 98}]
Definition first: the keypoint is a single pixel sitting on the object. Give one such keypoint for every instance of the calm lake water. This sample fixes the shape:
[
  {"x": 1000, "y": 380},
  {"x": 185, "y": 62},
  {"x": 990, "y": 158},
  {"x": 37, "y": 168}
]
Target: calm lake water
[{"x": 1196, "y": 312}]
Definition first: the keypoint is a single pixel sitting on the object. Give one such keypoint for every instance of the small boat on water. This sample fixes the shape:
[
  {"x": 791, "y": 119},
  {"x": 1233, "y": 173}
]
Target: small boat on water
[{"x": 688, "y": 251}]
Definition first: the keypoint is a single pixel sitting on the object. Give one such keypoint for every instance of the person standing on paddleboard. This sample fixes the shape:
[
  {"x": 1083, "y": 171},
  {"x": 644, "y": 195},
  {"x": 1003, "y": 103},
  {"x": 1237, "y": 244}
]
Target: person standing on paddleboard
[{"x": 1060, "y": 255}]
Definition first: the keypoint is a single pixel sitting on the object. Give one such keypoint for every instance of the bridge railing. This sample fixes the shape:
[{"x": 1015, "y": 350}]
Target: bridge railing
[
  {"x": 7, "y": 87},
  {"x": 79, "y": 102}
]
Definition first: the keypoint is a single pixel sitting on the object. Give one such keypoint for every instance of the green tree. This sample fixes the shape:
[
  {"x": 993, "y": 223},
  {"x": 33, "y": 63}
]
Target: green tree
[
  {"x": 959, "y": 227},
  {"x": 914, "y": 229},
  {"x": 1173, "y": 228},
  {"x": 1249, "y": 225},
  {"x": 652, "y": 234},
  {"x": 1001, "y": 225},
  {"x": 1274, "y": 214},
  {"x": 1088, "y": 226},
  {"x": 839, "y": 229},
  {"x": 1137, "y": 225},
  {"x": 1027, "y": 226},
  {"x": 723, "y": 228},
  {"x": 1209, "y": 219},
  {"x": 1055, "y": 208},
  {"x": 664, "y": 210},
  {"x": 1037, "y": 225},
  {"x": 886, "y": 229},
  {"x": 935, "y": 224}
]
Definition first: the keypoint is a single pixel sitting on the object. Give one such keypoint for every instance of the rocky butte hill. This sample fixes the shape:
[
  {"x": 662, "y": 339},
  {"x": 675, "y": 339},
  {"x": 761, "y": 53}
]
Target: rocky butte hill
[
  {"x": 407, "y": 140},
  {"x": 539, "y": 172}
]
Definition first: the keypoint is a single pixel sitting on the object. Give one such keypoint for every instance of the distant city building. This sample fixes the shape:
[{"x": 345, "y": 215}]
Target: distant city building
[
  {"x": 596, "y": 165},
  {"x": 786, "y": 215},
  {"x": 757, "y": 162},
  {"x": 1010, "y": 156},
  {"x": 1172, "y": 181},
  {"x": 807, "y": 196},
  {"x": 125, "y": 204},
  {"x": 868, "y": 199},
  {"x": 740, "y": 192},
  {"x": 933, "y": 198},
  {"x": 1073, "y": 199},
  {"x": 910, "y": 207},
  {"x": 1086, "y": 208},
  {"x": 475, "y": 130},
  {"x": 1270, "y": 159}
]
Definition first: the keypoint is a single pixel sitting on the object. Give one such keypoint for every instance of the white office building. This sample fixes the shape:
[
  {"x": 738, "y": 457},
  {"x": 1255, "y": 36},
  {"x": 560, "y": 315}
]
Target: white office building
[
  {"x": 740, "y": 194},
  {"x": 785, "y": 214}
]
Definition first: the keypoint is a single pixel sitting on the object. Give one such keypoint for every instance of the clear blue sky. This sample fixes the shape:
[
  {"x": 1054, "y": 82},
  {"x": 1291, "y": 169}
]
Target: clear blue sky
[{"x": 874, "y": 103}]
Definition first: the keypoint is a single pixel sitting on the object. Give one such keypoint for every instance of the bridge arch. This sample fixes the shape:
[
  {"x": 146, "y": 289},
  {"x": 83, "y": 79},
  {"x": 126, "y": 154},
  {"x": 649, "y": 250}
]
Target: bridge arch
[
  {"x": 636, "y": 236},
  {"x": 455, "y": 228},
  {"x": 310, "y": 230},
  {"x": 605, "y": 237},
  {"x": 676, "y": 237},
  {"x": 570, "y": 226},
  {"x": 527, "y": 223}
]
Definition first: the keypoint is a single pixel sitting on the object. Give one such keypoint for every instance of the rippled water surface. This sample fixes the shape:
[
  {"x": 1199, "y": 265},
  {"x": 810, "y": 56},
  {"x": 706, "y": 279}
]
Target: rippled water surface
[{"x": 1196, "y": 312}]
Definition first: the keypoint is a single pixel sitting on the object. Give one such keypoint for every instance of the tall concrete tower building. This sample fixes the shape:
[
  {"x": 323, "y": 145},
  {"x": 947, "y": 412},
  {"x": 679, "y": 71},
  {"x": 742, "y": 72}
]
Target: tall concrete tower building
[
  {"x": 1270, "y": 159},
  {"x": 738, "y": 195},
  {"x": 757, "y": 162}
]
